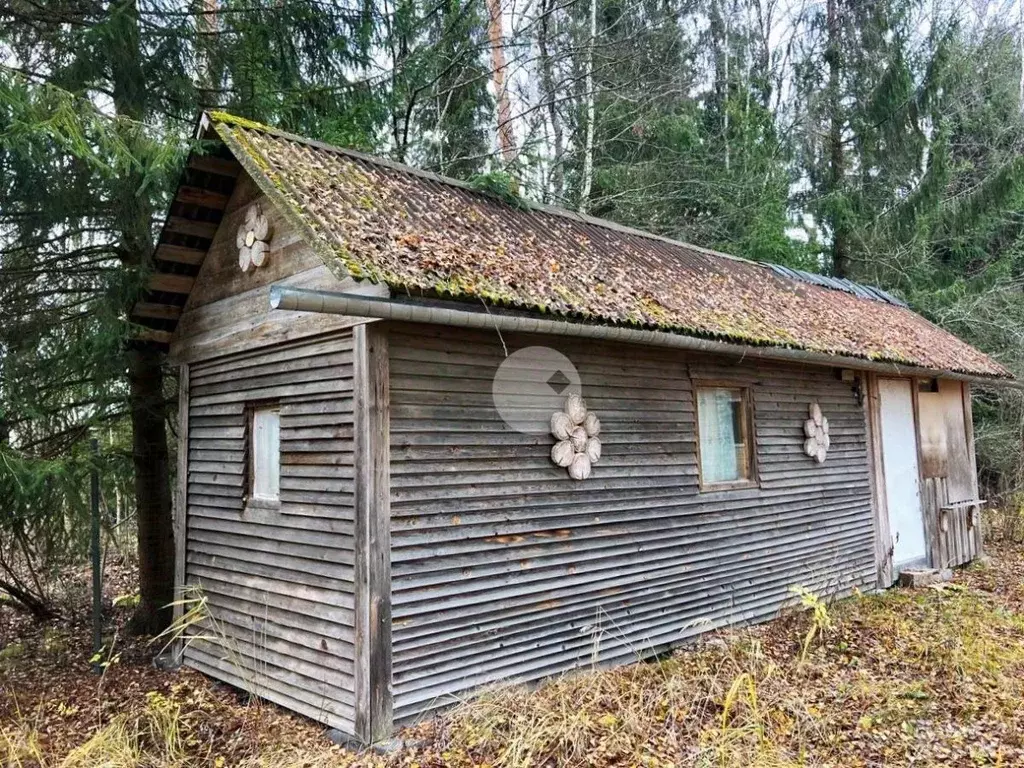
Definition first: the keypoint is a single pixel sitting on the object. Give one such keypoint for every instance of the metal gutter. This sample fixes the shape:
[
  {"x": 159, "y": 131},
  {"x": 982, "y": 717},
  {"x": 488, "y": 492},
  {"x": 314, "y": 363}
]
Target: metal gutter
[{"x": 410, "y": 311}]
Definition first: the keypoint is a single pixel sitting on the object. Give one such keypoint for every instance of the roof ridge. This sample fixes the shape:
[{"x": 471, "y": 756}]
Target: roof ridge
[{"x": 554, "y": 210}]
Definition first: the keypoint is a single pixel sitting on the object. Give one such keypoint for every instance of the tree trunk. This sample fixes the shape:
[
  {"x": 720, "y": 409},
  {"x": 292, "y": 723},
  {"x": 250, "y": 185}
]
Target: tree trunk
[
  {"x": 720, "y": 20},
  {"x": 211, "y": 72},
  {"x": 36, "y": 606},
  {"x": 547, "y": 74},
  {"x": 152, "y": 491},
  {"x": 147, "y": 404},
  {"x": 588, "y": 149},
  {"x": 837, "y": 158},
  {"x": 1020, "y": 41},
  {"x": 495, "y": 32}
]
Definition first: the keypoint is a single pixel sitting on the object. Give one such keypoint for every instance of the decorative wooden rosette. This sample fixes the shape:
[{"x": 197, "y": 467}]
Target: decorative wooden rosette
[
  {"x": 576, "y": 430},
  {"x": 253, "y": 238},
  {"x": 817, "y": 441}
]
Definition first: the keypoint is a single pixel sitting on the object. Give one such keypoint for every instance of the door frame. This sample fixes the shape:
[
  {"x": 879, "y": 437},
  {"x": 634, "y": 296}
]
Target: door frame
[{"x": 883, "y": 531}]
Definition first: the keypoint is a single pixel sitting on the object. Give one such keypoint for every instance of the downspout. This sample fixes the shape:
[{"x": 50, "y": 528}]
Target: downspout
[{"x": 409, "y": 311}]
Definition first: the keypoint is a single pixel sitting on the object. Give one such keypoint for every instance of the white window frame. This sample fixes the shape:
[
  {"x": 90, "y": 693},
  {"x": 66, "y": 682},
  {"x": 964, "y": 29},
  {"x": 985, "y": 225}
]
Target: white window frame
[{"x": 263, "y": 455}]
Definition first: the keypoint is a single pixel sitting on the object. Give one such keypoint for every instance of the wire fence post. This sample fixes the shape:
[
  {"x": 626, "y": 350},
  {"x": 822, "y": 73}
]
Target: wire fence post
[{"x": 97, "y": 575}]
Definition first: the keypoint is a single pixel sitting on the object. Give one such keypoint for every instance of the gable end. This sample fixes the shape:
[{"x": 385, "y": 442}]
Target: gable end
[{"x": 192, "y": 221}]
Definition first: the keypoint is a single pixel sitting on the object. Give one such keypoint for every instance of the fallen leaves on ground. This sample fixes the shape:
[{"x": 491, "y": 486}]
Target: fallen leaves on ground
[{"x": 931, "y": 677}]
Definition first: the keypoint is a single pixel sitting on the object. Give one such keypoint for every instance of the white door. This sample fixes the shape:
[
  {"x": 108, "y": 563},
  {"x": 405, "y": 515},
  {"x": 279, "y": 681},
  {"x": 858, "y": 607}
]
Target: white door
[{"x": 902, "y": 484}]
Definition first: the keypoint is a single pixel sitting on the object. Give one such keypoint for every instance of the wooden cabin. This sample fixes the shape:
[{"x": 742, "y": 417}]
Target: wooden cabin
[{"x": 432, "y": 440}]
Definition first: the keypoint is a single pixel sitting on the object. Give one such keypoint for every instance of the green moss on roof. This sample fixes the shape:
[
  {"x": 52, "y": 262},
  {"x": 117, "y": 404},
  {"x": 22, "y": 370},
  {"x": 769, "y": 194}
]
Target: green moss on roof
[
  {"x": 421, "y": 234},
  {"x": 228, "y": 119}
]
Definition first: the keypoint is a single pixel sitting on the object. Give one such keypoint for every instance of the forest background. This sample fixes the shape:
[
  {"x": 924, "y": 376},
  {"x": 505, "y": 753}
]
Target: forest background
[{"x": 878, "y": 140}]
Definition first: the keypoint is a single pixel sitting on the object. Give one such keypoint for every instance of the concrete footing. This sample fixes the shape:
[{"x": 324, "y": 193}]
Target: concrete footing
[
  {"x": 916, "y": 578},
  {"x": 385, "y": 747},
  {"x": 167, "y": 661}
]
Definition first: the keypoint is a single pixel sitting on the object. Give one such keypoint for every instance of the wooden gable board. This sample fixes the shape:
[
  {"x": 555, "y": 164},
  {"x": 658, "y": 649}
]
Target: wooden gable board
[{"x": 229, "y": 310}]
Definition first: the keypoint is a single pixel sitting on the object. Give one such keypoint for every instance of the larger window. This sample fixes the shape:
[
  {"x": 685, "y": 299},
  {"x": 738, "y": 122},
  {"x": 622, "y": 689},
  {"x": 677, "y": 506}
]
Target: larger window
[{"x": 724, "y": 436}]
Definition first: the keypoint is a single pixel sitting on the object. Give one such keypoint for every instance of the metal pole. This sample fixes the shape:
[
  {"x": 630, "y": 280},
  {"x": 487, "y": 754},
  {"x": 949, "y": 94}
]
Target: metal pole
[{"x": 97, "y": 575}]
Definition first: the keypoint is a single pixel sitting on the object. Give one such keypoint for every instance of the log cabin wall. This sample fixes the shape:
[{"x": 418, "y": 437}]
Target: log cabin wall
[
  {"x": 504, "y": 568},
  {"x": 279, "y": 582}
]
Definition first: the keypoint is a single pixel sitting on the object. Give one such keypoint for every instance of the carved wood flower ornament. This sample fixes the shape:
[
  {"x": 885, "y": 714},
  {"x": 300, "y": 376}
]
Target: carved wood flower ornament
[
  {"x": 253, "y": 238},
  {"x": 816, "y": 431},
  {"x": 578, "y": 447}
]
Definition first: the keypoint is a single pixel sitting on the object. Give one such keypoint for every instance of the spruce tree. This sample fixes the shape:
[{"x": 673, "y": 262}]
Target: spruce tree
[{"x": 98, "y": 104}]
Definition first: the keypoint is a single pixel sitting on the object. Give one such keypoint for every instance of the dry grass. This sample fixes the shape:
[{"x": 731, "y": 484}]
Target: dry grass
[
  {"x": 934, "y": 677},
  {"x": 160, "y": 734},
  {"x": 928, "y": 678},
  {"x": 706, "y": 708}
]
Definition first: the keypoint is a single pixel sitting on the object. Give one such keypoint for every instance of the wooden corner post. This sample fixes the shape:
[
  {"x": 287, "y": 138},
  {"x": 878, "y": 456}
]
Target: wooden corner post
[
  {"x": 181, "y": 507},
  {"x": 374, "y": 718}
]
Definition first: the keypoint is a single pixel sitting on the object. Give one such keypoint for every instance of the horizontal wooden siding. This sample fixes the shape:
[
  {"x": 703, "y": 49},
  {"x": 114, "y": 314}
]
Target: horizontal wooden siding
[
  {"x": 279, "y": 582},
  {"x": 504, "y": 568}
]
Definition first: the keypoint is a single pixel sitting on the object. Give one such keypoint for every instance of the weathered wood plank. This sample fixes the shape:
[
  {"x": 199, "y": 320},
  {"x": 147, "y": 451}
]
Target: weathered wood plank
[
  {"x": 305, "y": 641},
  {"x": 315, "y": 705},
  {"x": 504, "y": 568},
  {"x": 270, "y": 549},
  {"x": 207, "y": 198},
  {"x": 153, "y": 336},
  {"x": 691, "y": 592},
  {"x": 218, "y": 165},
  {"x": 287, "y": 572},
  {"x": 179, "y": 254},
  {"x": 230, "y": 310},
  {"x": 182, "y": 226},
  {"x": 156, "y": 311},
  {"x": 181, "y": 504},
  {"x": 427, "y": 639},
  {"x": 286, "y": 255},
  {"x": 161, "y": 281},
  {"x": 977, "y": 536},
  {"x": 374, "y": 719},
  {"x": 327, "y": 602}
]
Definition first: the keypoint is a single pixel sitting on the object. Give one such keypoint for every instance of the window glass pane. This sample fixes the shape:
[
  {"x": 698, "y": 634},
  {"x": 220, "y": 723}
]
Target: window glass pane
[
  {"x": 266, "y": 453},
  {"x": 723, "y": 433}
]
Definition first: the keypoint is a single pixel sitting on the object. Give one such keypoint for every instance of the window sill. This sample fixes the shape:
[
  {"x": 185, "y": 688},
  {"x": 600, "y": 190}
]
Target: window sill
[
  {"x": 259, "y": 502},
  {"x": 736, "y": 485}
]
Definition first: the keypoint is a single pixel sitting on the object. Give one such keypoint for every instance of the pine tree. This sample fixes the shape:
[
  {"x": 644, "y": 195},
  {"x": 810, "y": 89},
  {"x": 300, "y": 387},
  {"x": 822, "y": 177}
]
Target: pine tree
[
  {"x": 102, "y": 232},
  {"x": 861, "y": 141}
]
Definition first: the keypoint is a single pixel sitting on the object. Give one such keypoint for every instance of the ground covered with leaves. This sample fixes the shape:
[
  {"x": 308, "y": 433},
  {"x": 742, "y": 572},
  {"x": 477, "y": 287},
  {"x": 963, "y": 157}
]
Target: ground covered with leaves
[{"x": 932, "y": 677}]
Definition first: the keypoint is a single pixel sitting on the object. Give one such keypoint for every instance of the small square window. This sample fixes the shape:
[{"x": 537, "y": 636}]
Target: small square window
[
  {"x": 724, "y": 434},
  {"x": 264, "y": 460}
]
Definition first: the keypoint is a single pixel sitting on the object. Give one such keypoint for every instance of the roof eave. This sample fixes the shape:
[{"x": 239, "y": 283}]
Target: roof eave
[{"x": 443, "y": 313}]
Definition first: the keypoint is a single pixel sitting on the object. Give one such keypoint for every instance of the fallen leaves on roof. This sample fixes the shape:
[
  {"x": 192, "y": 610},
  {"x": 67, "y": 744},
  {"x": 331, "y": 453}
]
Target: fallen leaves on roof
[{"x": 421, "y": 234}]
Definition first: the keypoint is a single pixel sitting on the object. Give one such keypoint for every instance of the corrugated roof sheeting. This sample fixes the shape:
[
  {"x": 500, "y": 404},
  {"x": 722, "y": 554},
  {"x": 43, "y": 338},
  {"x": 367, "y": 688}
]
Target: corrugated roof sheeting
[
  {"x": 421, "y": 234},
  {"x": 838, "y": 284}
]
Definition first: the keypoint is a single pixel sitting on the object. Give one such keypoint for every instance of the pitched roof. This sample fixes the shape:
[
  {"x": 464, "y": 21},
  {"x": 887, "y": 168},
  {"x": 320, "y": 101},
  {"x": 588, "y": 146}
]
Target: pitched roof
[{"x": 422, "y": 234}]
